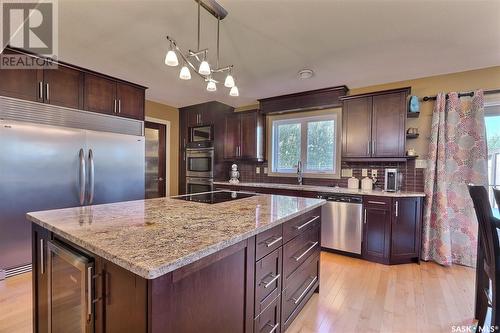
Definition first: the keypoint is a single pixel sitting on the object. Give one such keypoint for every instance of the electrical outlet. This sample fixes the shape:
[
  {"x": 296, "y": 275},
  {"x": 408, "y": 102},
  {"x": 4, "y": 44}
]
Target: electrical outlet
[
  {"x": 265, "y": 170},
  {"x": 420, "y": 164},
  {"x": 346, "y": 173},
  {"x": 374, "y": 172},
  {"x": 257, "y": 170},
  {"x": 364, "y": 172}
]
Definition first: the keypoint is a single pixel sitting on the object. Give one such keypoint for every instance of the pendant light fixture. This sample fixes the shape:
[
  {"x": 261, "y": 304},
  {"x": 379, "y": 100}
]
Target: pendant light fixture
[{"x": 198, "y": 60}]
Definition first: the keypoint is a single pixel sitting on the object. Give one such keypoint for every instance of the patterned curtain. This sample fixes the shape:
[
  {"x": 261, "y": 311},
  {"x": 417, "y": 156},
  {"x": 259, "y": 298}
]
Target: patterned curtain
[{"x": 457, "y": 156}]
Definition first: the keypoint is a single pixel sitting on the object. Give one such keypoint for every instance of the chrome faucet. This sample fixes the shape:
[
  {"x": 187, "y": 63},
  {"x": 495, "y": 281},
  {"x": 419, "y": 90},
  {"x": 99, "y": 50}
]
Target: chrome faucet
[{"x": 299, "y": 172}]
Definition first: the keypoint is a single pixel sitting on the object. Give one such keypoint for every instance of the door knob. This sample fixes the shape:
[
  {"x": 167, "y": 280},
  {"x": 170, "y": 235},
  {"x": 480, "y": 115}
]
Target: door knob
[{"x": 160, "y": 179}]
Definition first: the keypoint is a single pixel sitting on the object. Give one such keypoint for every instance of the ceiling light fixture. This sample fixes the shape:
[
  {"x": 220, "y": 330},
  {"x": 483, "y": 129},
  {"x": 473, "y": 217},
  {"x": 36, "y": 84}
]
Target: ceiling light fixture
[
  {"x": 198, "y": 60},
  {"x": 305, "y": 74}
]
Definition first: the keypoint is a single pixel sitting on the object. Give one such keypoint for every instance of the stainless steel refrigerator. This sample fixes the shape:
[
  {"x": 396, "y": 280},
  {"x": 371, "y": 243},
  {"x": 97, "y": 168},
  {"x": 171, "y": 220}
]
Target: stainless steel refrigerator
[{"x": 53, "y": 157}]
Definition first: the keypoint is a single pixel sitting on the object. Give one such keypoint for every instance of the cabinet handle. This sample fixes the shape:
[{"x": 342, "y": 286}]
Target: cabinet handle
[
  {"x": 114, "y": 106},
  {"x": 47, "y": 91},
  {"x": 42, "y": 269},
  {"x": 271, "y": 243},
  {"x": 373, "y": 147},
  {"x": 119, "y": 106},
  {"x": 40, "y": 90},
  {"x": 184, "y": 142},
  {"x": 397, "y": 208},
  {"x": 368, "y": 148},
  {"x": 89, "y": 293},
  {"x": 308, "y": 222},
  {"x": 365, "y": 216},
  {"x": 273, "y": 328},
  {"x": 298, "y": 299},
  {"x": 377, "y": 202},
  {"x": 268, "y": 284},
  {"x": 306, "y": 251}
]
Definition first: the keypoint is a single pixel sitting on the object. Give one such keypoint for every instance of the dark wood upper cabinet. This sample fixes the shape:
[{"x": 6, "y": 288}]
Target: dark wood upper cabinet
[
  {"x": 63, "y": 87},
  {"x": 244, "y": 136},
  {"x": 24, "y": 84},
  {"x": 99, "y": 94},
  {"x": 388, "y": 130},
  {"x": 374, "y": 124},
  {"x": 73, "y": 87},
  {"x": 130, "y": 101},
  {"x": 232, "y": 136},
  {"x": 356, "y": 127}
]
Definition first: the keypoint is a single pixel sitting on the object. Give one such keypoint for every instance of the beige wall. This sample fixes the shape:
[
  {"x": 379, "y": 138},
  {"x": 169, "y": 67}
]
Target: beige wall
[
  {"x": 171, "y": 114},
  {"x": 486, "y": 78}
]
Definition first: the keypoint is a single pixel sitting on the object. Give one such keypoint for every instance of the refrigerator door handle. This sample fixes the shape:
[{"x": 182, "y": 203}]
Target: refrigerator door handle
[
  {"x": 81, "y": 179},
  {"x": 91, "y": 177}
]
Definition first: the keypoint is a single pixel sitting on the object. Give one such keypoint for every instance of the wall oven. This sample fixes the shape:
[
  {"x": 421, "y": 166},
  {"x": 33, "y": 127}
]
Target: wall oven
[
  {"x": 198, "y": 185},
  {"x": 201, "y": 133},
  {"x": 200, "y": 162}
]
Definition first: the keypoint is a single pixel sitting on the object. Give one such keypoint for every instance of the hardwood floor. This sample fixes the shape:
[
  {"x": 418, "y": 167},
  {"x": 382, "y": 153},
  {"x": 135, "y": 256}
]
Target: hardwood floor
[{"x": 355, "y": 296}]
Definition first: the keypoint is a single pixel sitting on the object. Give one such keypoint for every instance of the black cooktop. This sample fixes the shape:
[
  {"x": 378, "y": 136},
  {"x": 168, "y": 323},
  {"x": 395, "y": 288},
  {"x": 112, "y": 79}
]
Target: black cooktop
[{"x": 215, "y": 197}]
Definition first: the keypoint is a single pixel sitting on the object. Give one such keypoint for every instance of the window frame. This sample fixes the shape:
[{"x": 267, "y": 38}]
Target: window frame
[{"x": 303, "y": 118}]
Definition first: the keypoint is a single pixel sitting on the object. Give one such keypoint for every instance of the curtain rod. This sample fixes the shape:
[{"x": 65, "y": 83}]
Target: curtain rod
[{"x": 469, "y": 94}]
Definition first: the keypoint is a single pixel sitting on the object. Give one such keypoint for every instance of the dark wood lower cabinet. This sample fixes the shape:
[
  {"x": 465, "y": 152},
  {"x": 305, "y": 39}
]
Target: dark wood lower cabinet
[
  {"x": 229, "y": 291},
  {"x": 376, "y": 229}
]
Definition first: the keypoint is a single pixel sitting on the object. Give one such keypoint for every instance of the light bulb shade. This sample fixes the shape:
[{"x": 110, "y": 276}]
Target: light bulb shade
[
  {"x": 234, "y": 91},
  {"x": 211, "y": 86},
  {"x": 185, "y": 73},
  {"x": 171, "y": 58},
  {"x": 229, "y": 82},
  {"x": 204, "y": 68}
]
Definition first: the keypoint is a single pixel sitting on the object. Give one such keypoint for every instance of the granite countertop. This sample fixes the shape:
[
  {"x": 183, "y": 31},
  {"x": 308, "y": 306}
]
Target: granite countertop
[
  {"x": 153, "y": 237},
  {"x": 325, "y": 189}
]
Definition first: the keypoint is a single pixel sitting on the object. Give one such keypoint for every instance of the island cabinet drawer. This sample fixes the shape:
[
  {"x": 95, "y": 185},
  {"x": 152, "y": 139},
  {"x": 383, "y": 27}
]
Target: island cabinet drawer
[
  {"x": 300, "y": 224},
  {"x": 267, "y": 280},
  {"x": 269, "y": 320},
  {"x": 268, "y": 241},
  {"x": 299, "y": 249},
  {"x": 300, "y": 286}
]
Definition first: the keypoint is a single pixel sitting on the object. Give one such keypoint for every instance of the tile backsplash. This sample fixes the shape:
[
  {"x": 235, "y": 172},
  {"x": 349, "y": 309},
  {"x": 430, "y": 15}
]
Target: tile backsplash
[{"x": 413, "y": 178}]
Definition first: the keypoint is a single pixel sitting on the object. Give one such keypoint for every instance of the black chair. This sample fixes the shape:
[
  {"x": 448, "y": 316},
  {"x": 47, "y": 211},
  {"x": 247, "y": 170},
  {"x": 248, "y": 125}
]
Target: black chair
[
  {"x": 490, "y": 247},
  {"x": 496, "y": 192}
]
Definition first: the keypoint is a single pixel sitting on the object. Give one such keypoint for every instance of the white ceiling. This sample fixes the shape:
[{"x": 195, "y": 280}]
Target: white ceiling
[{"x": 356, "y": 43}]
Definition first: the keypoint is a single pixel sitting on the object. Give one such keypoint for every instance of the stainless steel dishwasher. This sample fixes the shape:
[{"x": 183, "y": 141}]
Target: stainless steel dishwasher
[{"x": 342, "y": 222}]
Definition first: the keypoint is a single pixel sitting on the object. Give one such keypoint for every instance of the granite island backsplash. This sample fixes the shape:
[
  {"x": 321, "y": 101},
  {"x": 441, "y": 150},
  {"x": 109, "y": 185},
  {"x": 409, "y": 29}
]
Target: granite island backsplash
[{"x": 413, "y": 178}]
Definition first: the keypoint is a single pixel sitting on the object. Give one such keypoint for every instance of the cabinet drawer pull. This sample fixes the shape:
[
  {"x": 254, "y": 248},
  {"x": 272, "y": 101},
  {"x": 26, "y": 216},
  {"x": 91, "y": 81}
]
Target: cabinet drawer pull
[
  {"x": 297, "y": 258},
  {"x": 40, "y": 90},
  {"x": 397, "y": 208},
  {"x": 273, "y": 328},
  {"x": 47, "y": 91},
  {"x": 114, "y": 106},
  {"x": 119, "y": 106},
  {"x": 377, "y": 202},
  {"x": 268, "y": 284},
  {"x": 298, "y": 299},
  {"x": 42, "y": 268},
  {"x": 308, "y": 222},
  {"x": 365, "y": 216},
  {"x": 271, "y": 243}
]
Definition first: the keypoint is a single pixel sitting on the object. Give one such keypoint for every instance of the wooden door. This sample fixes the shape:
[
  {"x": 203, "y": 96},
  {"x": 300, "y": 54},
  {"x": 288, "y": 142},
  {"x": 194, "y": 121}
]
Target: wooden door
[
  {"x": 99, "y": 94},
  {"x": 232, "y": 137},
  {"x": 156, "y": 177},
  {"x": 130, "y": 101},
  {"x": 248, "y": 128},
  {"x": 356, "y": 127},
  {"x": 183, "y": 140},
  {"x": 63, "y": 87},
  {"x": 376, "y": 229},
  {"x": 21, "y": 83},
  {"x": 193, "y": 118},
  {"x": 388, "y": 125},
  {"x": 406, "y": 228}
]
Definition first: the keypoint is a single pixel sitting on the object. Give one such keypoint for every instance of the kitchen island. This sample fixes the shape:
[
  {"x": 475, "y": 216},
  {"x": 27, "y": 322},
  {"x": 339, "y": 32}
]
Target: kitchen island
[{"x": 168, "y": 265}]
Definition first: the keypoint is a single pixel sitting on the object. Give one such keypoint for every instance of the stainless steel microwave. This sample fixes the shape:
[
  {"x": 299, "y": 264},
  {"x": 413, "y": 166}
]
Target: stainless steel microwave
[{"x": 203, "y": 133}]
